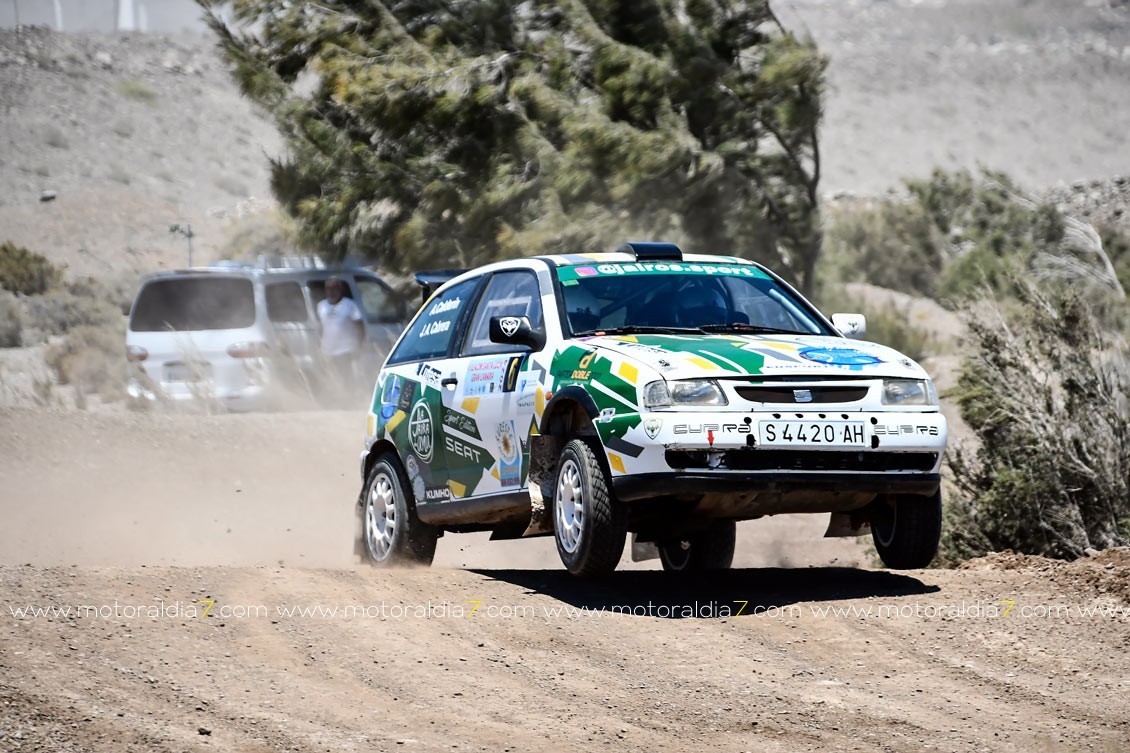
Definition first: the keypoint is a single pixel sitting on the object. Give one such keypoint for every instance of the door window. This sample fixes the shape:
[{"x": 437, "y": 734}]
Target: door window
[
  {"x": 507, "y": 294},
  {"x": 429, "y": 336}
]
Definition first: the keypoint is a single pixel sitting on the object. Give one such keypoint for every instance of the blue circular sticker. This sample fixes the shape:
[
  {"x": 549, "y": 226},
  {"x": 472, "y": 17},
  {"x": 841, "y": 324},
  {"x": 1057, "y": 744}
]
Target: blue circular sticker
[{"x": 839, "y": 356}]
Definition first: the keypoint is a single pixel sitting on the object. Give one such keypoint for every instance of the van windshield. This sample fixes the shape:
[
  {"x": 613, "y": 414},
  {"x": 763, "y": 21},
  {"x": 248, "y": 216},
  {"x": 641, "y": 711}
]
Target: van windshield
[{"x": 192, "y": 304}]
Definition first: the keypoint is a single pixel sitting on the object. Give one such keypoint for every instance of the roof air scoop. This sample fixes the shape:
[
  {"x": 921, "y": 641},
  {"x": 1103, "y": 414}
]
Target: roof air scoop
[{"x": 652, "y": 251}]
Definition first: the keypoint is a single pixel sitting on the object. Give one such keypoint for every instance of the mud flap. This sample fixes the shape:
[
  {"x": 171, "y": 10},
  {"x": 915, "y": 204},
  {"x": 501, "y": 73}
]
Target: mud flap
[
  {"x": 841, "y": 524},
  {"x": 643, "y": 550}
]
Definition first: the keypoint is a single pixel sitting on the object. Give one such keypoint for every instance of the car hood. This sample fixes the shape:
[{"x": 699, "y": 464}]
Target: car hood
[{"x": 695, "y": 356}]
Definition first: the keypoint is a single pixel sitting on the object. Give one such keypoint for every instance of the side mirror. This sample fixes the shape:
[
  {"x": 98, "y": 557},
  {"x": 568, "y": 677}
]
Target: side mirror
[
  {"x": 850, "y": 325},
  {"x": 516, "y": 330}
]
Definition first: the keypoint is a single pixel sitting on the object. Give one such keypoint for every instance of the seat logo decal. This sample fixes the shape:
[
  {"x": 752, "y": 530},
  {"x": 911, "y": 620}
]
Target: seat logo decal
[{"x": 802, "y": 396}]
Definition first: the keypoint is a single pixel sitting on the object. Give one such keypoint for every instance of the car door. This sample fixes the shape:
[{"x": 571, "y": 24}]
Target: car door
[
  {"x": 487, "y": 427},
  {"x": 296, "y": 333},
  {"x": 415, "y": 399}
]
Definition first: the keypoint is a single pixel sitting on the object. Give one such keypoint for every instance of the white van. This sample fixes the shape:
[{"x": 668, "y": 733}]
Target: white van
[{"x": 243, "y": 335}]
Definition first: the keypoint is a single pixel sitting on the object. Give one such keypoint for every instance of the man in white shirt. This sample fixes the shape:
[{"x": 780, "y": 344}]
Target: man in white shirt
[{"x": 343, "y": 331}]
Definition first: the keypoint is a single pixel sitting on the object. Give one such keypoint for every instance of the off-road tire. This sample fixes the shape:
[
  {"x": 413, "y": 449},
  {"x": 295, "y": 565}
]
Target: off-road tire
[
  {"x": 391, "y": 533},
  {"x": 906, "y": 529},
  {"x": 709, "y": 549},
  {"x": 590, "y": 524}
]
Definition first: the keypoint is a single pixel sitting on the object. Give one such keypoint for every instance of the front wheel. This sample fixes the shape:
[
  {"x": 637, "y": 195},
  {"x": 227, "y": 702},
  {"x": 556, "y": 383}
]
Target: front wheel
[
  {"x": 906, "y": 530},
  {"x": 711, "y": 549},
  {"x": 589, "y": 524},
  {"x": 390, "y": 530}
]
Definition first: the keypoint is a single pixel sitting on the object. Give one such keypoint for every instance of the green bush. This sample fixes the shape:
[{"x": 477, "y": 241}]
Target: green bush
[
  {"x": 892, "y": 244},
  {"x": 26, "y": 272},
  {"x": 958, "y": 233},
  {"x": 887, "y": 323},
  {"x": 91, "y": 359},
  {"x": 136, "y": 90},
  {"x": 1046, "y": 391},
  {"x": 11, "y": 321}
]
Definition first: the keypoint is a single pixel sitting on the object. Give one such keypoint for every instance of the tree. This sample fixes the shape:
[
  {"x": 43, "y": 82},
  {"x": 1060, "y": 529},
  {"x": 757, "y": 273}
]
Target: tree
[{"x": 433, "y": 132}]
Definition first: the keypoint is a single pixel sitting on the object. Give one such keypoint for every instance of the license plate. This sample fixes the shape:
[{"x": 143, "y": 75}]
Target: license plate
[
  {"x": 186, "y": 372},
  {"x": 813, "y": 433}
]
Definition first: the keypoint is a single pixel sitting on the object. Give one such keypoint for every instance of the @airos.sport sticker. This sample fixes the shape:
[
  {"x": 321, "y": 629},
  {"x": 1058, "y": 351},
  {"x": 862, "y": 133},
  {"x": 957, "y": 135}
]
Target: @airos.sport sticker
[
  {"x": 839, "y": 356},
  {"x": 420, "y": 431}
]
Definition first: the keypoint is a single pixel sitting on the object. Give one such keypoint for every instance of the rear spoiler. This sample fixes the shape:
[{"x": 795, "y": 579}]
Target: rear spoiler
[{"x": 430, "y": 279}]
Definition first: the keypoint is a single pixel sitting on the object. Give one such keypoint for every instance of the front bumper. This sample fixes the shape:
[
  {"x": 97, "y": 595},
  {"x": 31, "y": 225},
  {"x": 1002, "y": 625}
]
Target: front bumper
[{"x": 822, "y": 485}]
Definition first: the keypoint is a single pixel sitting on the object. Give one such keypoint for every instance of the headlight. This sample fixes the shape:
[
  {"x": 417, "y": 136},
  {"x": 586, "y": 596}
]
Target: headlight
[
  {"x": 683, "y": 392},
  {"x": 909, "y": 392}
]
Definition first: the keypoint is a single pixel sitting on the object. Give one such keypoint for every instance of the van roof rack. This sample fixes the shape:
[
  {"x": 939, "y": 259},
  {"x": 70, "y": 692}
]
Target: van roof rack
[{"x": 291, "y": 261}]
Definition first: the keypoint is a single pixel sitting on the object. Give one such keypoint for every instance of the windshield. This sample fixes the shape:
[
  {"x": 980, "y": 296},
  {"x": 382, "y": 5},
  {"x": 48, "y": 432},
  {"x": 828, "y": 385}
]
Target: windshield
[
  {"x": 192, "y": 304},
  {"x": 681, "y": 296}
]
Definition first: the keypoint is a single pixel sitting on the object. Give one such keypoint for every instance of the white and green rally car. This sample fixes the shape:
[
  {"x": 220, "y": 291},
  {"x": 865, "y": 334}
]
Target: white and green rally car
[{"x": 647, "y": 391}]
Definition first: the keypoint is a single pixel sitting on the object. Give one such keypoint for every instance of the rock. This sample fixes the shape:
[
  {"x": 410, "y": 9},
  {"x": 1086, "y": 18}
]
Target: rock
[
  {"x": 103, "y": 59},
  {"x": 203, "y": 731}
]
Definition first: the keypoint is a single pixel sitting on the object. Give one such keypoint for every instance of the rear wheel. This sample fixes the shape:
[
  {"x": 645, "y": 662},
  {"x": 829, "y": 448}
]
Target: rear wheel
[
  {"x": 906, "y": 529},
  {"x": 589, "y": 524},
  {"x": 390, "y": 530},
  {"x": 711, "y": 549}
]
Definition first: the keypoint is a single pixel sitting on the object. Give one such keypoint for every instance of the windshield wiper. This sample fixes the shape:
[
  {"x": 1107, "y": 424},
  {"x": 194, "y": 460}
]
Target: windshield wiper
[
  {"x": 642, "y": 329},
  {"x": 743, "y": 327}
]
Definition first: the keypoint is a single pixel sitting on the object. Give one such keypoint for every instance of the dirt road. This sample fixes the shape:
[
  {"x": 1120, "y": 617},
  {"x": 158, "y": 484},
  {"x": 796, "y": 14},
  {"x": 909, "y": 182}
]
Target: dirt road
[{"x": 139, "y": 523}]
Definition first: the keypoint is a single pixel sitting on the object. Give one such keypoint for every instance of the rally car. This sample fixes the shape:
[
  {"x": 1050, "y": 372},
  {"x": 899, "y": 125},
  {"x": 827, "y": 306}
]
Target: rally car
[{"x": 648, "y": 391}]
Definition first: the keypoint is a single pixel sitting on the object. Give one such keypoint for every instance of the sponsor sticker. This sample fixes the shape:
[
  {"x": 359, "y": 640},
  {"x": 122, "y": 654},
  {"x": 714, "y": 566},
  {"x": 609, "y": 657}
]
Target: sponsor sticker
[
  {"x": 839, "y": 357},
  {"x": 486, "y": 377},
  {"x": 420, "y": 431},
  {"x": 509, "y": 456}
]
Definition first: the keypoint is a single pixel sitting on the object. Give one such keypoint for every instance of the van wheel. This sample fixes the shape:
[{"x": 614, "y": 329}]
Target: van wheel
[
  {"x": 390, "y": 531},
  {"x": 589, "y": 524},
  {"x": 711, "y": 549},
  {"x": 906, "y": 529}
]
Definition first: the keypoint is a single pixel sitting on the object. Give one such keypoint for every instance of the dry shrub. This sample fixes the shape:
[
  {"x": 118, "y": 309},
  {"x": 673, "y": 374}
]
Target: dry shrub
[
  {"x": 1046, "y": 392},
  {"x": 11, "y": 321},
  {"x": 91, "y": 359},
  {"x": 59, "y": 312}
]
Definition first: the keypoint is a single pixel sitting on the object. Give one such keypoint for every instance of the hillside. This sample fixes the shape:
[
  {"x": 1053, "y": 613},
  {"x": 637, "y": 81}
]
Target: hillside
[{"x": 134, "y": 133}]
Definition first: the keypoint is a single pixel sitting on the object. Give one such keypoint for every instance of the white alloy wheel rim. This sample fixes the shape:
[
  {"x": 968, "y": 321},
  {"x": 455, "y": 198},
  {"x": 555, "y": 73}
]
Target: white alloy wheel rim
[
  {"x": 570, "y": 506},
  {"x": 380, "y": 516}
]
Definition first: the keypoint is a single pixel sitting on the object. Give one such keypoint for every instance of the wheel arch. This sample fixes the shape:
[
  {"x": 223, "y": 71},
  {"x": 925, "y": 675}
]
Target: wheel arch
[{"x": 378, "y": 449}]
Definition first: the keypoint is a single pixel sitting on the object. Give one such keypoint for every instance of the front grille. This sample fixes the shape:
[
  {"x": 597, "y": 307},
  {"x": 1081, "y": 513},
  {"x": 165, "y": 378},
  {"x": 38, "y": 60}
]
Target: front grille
[
  {"x": 788, "y": 394},
  {"x": 805, "y": 460}
]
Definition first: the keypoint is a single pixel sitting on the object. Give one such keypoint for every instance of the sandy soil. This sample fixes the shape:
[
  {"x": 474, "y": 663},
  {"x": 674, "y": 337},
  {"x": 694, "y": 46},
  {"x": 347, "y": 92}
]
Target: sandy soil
[{"x": 149, "y": 518}]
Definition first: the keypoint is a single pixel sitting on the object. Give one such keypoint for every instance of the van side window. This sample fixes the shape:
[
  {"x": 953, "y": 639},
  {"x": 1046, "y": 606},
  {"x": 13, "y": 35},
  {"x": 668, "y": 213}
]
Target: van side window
[
  {"x": 429, "y": 336},
  {"x": 318, "y": 290},
  {"x": 285, "y": 302},
  {"x": 376, "y": 301}
]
